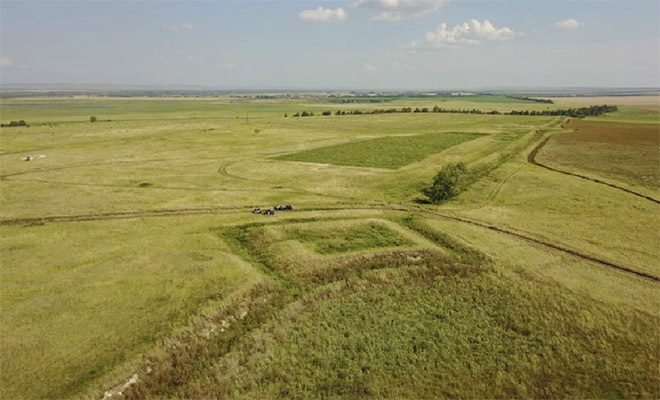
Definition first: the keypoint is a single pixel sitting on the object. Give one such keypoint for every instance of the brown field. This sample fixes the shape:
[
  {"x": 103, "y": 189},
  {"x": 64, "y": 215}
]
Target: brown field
[
  {"x": 646, "y": 102},
  {"x": 625, "y": 152},
  {"x": 612, "y": 133}
]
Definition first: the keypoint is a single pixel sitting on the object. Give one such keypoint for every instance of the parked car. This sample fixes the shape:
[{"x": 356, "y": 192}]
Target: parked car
[{"x": 256, "y": 211}]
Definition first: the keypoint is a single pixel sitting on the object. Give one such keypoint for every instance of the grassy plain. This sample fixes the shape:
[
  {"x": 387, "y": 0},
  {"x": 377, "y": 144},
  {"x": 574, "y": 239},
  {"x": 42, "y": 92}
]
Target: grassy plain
[{"x": 130, "y": 248}]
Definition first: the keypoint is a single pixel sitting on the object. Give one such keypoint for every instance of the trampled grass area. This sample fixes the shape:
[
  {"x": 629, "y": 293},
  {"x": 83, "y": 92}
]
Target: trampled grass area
[
  {"x": 389, "y": 152},
  {"x": 360, "y": 237}
]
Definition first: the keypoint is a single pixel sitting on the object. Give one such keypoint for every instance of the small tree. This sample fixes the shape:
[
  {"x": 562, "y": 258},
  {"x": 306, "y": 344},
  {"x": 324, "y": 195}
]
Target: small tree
[
  {"x": 285, "y": 115},
  {"x": 447, "y": 183},
  {"x": 92, "y": 119}
]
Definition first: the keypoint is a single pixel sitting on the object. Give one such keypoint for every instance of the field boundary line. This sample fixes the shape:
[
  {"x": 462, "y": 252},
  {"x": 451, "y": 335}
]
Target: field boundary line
[{"x": 531, "y": 158}]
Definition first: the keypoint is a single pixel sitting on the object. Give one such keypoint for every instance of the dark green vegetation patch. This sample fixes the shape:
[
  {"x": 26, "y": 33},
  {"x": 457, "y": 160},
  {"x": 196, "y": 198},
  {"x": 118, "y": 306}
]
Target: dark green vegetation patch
[
  {"x": 341, "y": 240},
  {"x": 389, "y": 152}
]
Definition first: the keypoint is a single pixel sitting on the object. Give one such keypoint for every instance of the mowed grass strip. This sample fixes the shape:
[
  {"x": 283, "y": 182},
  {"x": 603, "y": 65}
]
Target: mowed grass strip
[{"x": 388, "y": 152}]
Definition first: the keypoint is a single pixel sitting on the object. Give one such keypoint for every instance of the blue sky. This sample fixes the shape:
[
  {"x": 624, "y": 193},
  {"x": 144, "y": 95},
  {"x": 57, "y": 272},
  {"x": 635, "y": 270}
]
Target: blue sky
[{"x": 374, "y": 44}]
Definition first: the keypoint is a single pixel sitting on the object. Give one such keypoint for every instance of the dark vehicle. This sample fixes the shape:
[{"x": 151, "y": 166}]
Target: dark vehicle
[
  {"x": 270, "y": 212},
  {"x": 288, "y": 207},
  {"x": 256, "y": 211}
]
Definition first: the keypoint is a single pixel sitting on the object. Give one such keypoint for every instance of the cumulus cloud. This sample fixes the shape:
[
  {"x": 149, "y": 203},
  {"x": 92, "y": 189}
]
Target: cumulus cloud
[
  {"x": 369, "y": 68},
  {"x": 467, "y": 33},
  {"x": 323, "y": 15},
  {"x": 396, "y": 10},
  {"x": 569, "y": 24},
  {"x": 178, "y": 28},
  {"x": 6, "y": 61}
]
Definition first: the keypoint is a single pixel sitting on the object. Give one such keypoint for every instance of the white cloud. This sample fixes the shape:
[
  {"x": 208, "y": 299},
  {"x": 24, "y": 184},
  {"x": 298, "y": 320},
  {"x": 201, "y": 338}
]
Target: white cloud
[
  {"x": 569, "y": 24},
  {"x": 6, "y": 61},
  {"x": 369, "y": 68},
  {"x": 323, "y": 15},
  {"x": 398, "y": 66},
  {"x": 178, "y": 28},
  {"x": 396, "y": 10},
  {"x": 473, "y": 32},
  {"x": 227, "y": 66}
]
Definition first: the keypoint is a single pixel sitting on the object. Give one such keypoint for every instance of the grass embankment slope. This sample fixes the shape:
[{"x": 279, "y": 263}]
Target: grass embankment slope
[{"x": 136, "y": 232}]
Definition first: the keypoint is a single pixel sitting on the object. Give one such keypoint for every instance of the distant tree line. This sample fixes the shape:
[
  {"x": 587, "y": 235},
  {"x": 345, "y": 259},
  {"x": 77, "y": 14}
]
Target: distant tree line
[
  {"x": 581, "y": 112},
  {"x": 570, "y": 112},
  {"x": 546, "y": 101}
]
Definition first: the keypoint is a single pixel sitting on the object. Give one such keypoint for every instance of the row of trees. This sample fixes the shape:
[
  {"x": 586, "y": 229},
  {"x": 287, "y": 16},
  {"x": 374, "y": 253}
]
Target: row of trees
[
  {"x": 535, "y": 100},
  {"x": 570, "y": 112},
  {"x": 581, "y": 112}
]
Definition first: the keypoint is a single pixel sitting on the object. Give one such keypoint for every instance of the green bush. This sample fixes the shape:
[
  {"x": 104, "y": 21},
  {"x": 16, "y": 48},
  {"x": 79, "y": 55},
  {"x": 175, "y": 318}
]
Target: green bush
[{"x": 447, "y": 183}]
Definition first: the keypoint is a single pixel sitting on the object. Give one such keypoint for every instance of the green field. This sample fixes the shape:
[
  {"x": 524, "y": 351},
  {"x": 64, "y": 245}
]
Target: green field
[
  {"x": 129, "y": 252},
  {"x": 390, "y": 152}
]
